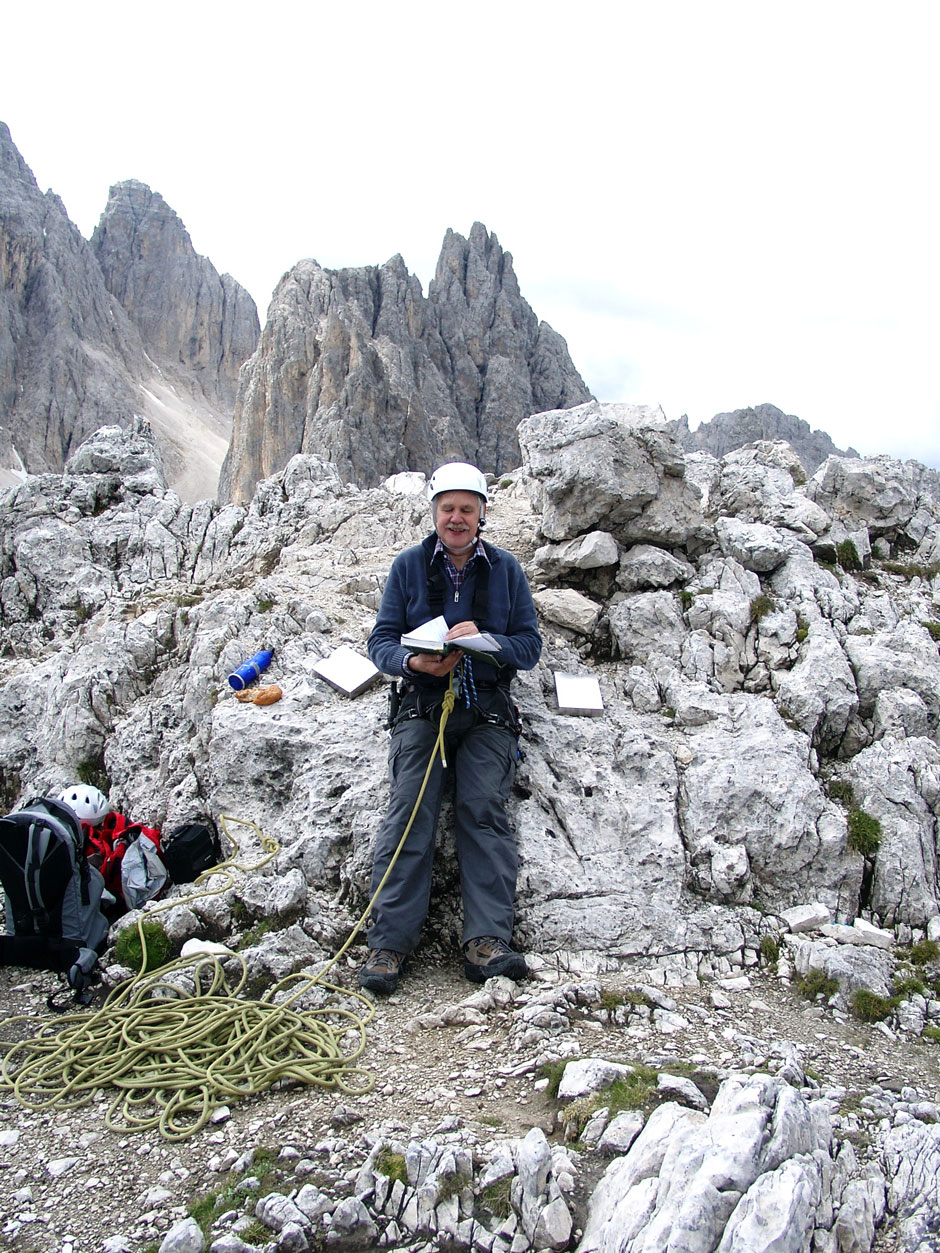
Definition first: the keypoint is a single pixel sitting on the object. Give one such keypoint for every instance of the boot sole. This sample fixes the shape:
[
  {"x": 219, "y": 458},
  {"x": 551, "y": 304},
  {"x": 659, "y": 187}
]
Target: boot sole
[
  {"x": 511, "y": 967},
  {"x": 385, "y": 985}
]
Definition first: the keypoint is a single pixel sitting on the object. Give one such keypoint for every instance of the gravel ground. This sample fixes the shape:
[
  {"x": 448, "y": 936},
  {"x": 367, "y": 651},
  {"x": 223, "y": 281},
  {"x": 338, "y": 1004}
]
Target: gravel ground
[{"x": 68, "y": 1183}]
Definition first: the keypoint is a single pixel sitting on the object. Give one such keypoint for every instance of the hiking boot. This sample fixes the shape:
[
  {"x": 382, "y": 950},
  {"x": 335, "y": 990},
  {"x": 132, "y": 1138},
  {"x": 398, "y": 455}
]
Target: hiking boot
[
  {"x": 486, "y": 957},
  {"x": 380, "y": 971}
]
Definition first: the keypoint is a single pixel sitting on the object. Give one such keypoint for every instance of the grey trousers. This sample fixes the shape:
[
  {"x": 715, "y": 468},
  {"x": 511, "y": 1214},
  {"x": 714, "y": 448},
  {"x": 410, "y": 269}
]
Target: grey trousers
[{"x": 482, "y": 759}]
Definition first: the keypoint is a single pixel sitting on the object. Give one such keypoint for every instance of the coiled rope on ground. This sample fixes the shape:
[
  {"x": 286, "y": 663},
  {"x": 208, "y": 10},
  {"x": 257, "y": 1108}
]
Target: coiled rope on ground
[{"x": 172, "y": 1055}]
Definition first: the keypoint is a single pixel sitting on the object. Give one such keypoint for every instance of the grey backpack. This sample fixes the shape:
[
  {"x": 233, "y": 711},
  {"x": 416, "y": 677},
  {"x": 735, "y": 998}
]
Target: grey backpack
[{"x": 53, "y": 894}]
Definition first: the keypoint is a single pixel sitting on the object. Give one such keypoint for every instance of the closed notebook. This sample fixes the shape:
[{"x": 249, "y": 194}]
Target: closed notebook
[
  {"x": 347, "y": 670},
  {"x": 578, "y": 694}
]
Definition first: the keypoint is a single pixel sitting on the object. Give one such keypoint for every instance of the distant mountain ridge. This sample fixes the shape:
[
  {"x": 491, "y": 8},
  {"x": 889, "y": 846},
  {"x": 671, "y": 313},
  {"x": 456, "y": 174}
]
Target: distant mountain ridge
[
  {"x": 356, "y": 365},
  {"x": 727, "y": 431}
]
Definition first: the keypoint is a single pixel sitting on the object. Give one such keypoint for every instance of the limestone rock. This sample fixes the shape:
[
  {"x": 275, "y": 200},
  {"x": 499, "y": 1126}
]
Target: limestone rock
[
  {"x": 613, "y": 467},
  {"x": 568, "y": 608},
  {"x": 644, "y": 566},
  {"x": 666, "y": 1188},
  {"x": 586, "y": 552},
  {"x": 880, "y": 493}
]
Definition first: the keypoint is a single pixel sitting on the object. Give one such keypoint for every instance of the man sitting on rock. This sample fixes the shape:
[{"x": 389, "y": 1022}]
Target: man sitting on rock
[{"x": 476, "y": 587}]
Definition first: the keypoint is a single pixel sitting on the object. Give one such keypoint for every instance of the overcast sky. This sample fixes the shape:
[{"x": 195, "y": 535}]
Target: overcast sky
[{"x": 716, "y": 204}]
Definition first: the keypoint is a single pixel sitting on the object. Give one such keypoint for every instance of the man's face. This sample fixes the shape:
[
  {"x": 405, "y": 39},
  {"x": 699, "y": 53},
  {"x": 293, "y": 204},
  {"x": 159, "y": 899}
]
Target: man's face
[{"x": 457, "y": 518}]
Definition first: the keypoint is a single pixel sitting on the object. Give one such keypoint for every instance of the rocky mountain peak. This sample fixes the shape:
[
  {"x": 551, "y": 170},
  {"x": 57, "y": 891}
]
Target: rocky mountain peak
[
  {"x": 134, "y": 323},
  {"x": 68, "y": 354},
  {"x": 358, "y": 366},
  {"x": 188, "y": 315}
]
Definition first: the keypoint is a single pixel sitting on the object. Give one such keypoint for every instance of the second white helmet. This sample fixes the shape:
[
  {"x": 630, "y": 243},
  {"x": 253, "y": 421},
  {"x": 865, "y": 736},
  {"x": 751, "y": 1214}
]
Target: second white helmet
[
  {"x": 457, "y": 476},
  {"x": 89, "y": 804}
]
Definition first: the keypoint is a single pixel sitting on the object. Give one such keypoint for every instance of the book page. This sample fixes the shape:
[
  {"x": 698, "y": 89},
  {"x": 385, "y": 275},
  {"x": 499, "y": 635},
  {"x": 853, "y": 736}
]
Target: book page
[{"x": 429, "y": 637}]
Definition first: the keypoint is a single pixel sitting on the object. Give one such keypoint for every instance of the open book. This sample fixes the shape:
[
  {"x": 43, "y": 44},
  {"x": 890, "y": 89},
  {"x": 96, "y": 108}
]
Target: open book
[{"x": 429, "y": 638}]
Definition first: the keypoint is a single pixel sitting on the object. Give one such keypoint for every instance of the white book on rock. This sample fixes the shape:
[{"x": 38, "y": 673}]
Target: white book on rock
[
  {"x": 578, "y": 694},
  {"x": 348, "y": 671}
]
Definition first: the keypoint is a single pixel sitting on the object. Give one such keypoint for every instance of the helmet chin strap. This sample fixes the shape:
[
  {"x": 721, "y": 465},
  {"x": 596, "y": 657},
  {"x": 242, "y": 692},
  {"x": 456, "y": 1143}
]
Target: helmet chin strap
[{"x": 464, "y": 548}]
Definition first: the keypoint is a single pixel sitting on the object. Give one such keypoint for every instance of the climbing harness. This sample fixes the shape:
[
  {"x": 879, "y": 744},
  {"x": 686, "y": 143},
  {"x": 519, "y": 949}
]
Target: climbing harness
[{"x": 179, "y": 1041}]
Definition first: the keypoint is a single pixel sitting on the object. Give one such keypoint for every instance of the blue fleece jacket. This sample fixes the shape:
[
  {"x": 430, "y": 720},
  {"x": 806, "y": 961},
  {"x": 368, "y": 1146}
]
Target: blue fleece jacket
[{"x": 510, "y": 614}]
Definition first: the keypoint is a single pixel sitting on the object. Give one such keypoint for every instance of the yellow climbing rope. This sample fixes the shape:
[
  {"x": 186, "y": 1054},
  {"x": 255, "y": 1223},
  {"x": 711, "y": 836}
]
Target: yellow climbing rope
[{"x": 177, "y": 1042}]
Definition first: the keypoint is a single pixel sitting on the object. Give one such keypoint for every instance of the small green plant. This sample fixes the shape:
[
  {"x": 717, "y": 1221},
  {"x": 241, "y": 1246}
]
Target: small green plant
[
  {"x": 802, "y": 628},
  {"x": 685, "y": 597},
  {"x": 265, "y": 605},
  {"x": 552, "y": 1071},
  {"x": 864, "y": 833},
  {"x": 636, "y": 1091},
  {"x": 206, "y": 1209},
  {"x": 496, "y": 1197},
  {"x": 924, "y": 952},
  {"x": 761, "y": 606},
  {"x": 769, "y": 950},
  {"x": 847, "y": 555},
  {"x": 932, "y": 1033},
  {"x": 637, "y": 997},
  {"x": 129, "y": 952},
  {"x": 91, "y": 771},
  {"x": 933, "y": 628},
  {"x": 254, "y": 934},
  {"x": 392, "y": 1165},
  {"x": 910, "y": 985},
  {"x": 870, "y": 1007},
  {"x": 611, "y": 1002},
  {"x": 255, "y": 1233},
  {"x": 913, "y": 569},
  {"x": 451, "y": 1185},
  {"x": 841, "y": 790},
  {"x": 669, "y": 712},
  {"x": 817, "y": 983}
]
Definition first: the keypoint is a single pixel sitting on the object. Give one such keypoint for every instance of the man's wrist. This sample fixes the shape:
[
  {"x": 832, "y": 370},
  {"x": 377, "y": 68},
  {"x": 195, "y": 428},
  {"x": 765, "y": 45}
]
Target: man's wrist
[{"x": 406, "y": 664}]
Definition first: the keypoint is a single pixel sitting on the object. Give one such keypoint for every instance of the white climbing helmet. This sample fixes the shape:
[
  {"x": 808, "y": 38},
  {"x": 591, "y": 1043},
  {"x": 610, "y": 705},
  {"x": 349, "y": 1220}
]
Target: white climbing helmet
[
  {"x": 89, "y": 804},
  {"x": 457, "y": 476}
]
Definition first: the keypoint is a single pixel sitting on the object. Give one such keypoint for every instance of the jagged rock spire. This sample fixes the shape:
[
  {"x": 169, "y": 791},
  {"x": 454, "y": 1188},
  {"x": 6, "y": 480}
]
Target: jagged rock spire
[
  {"x": 358, "y": 366},
  {"x": 187, "y": 313}
]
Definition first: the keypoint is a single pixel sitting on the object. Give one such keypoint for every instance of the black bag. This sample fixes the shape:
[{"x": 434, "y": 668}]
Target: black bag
[
  {"x": 188, "y": 850},
  {"x": 53, "y": 894}
]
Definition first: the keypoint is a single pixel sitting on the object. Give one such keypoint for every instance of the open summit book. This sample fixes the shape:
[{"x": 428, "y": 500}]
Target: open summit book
[{"x": 429, "y": 638}]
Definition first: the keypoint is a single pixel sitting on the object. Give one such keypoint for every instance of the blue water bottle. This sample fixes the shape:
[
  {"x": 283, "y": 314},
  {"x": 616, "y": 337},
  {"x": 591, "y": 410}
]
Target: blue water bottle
[{"x": 249, "y": 670}]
